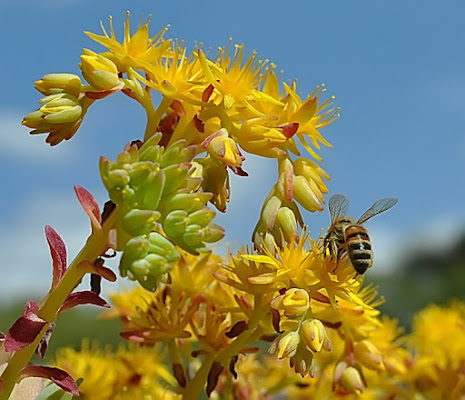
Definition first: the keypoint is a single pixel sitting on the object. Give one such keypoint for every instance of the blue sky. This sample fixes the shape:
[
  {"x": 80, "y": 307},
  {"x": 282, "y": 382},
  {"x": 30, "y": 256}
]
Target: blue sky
[{"x": 397, "y": 70}]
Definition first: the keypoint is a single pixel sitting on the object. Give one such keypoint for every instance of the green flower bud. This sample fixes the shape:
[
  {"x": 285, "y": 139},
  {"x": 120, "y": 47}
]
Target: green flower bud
[
  {"x": 99, "y": 71},
  {"x": 118, "y": 178},
  {"x": 304, "y": 193},
  {"x": 175, "y": 223},
  {"x": 213, "y": 233},
  {"x": 59, "y": 83},
  {"x": 287, "y": 223},
  {"x": 138, "y": 222},
  {"x": 193, "y": 236},
  {"x": 175, "y": 177},
  {"x": 148, "y": 259},
  {"x": 162, "y": 246},
  {"x": 188, "y": 202},
  {"x": 202, "y": 217},
  {"x": 60, "y": 108},
  {"x": 150, "y": 193}
]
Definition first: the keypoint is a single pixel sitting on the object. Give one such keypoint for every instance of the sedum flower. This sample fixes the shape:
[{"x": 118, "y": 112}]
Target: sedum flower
[
  {"x": 131, "y": 371},
  {"x": 166, "y": 317},
  {"x": 135, "y": 50}
]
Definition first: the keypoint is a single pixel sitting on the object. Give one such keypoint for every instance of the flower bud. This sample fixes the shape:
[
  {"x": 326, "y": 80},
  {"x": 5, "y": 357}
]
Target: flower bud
[
  {"x": 220, "y": 146},
  {"x": 303, "y": 362},
  {"x": 270, "y": 210},
  {"x": 99, "y": 71},
  {"x": 188, "y": 202},
  {"x": 349, "y": 377},
  {"x": 312, "y": 172},
  {"x": 286, "y": 345},
  {"x": 294, "y": 302},
  {"x": 305, "y": 194},
  {"x": 367, "y": 354},
  {"x": 138, "y": 222},
  {"x": 314, "y": 335},
  {"x": 285, "y": 180},
  {"x": 59, "y": 83},
  {"x": 287, "y": 223}
]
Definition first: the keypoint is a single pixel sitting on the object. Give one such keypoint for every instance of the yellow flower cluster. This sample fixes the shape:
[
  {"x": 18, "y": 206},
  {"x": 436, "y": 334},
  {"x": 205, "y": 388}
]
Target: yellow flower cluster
[{"x": 131, "y": 372}]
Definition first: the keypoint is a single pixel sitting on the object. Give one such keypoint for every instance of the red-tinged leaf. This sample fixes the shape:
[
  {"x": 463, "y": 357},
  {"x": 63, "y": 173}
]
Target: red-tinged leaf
[
  {"x": 104, "y": 272},
  {"x": 25, "y": 330},
  {"x": 58, "y": 252},
  {"x": 85, "y": 297},
  {"x": 43, "y": 344},
  {"x": 56, "y": 375},
  {"x": 90, "y": 206}
]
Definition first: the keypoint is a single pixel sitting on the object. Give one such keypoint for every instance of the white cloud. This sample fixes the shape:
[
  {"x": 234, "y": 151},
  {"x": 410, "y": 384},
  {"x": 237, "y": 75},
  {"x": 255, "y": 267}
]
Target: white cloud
[{"x": 16, "y": 142}]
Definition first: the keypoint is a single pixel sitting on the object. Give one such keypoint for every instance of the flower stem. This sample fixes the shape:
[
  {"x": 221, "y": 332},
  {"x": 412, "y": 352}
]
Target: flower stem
[
  {"x": 49, "y": 306},
  {"x": 154, "y": 116}
]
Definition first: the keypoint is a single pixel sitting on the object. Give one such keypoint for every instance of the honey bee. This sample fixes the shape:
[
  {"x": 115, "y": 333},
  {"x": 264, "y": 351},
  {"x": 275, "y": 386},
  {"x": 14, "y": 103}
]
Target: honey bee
[{"x": 346, "y": 235}]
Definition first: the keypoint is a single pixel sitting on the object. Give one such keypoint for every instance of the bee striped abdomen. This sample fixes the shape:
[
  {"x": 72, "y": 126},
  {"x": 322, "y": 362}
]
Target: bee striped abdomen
[{"x": 359, "y": 248}]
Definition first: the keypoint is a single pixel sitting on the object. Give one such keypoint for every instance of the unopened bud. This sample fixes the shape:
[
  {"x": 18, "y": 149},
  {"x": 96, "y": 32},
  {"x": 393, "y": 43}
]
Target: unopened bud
[
  {"x": 286, "y": 345},
  {"x": 59, "y": 83},
  {"x": 294, "y": 302},
  {"x": 314, "y": 335},
  {"x": 99, "y": 71},
  {"x": 368, "y": 354}
]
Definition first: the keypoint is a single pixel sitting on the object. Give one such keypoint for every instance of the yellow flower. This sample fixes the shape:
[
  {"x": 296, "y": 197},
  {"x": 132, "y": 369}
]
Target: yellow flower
[
  {"x": 237, "y": 80},
  {"x": 164, "y": 316},
  {"x": 130, "y": 372},
  {"x": 135, "y": 50},
  {"x": 438, "y": 333}
]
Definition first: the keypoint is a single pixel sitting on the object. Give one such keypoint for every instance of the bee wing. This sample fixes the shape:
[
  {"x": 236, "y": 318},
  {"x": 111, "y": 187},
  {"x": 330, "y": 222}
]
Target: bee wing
[
  {"x": 378, "y": 207},
  {"x": 338, "y": 205}
]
